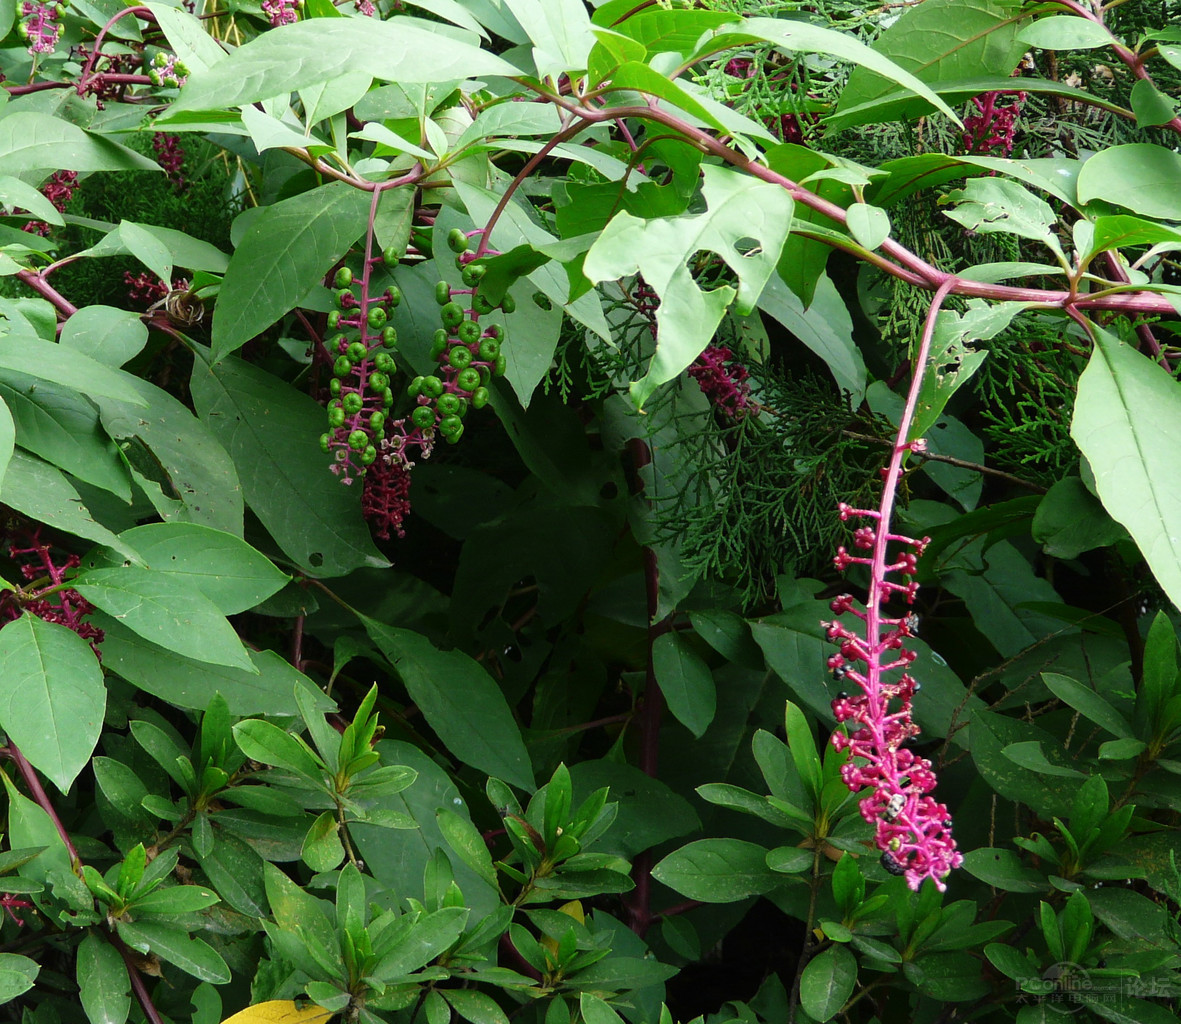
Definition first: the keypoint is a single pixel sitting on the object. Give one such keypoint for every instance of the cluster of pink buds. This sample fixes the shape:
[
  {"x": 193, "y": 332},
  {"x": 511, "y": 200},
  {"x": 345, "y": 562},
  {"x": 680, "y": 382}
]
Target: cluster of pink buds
[
  {"x": 991, "y": 129},
  {"x": 913, "y": 830},
  {"x": 365, "y": 7},
  {"x": 281, "y": 12},
  {"x": 58, "y": 190},
  {"x": 170, "y": 156},
  {"x": 723, "y": 380},
  {"x": 66, "y": 607},
  {"x": 39, "y": 27}
]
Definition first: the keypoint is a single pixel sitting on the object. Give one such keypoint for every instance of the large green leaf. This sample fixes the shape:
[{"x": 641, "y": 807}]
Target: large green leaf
[
  {"x": 686, "y": 682},
  {"x": 192, "y": 684},
  {"x": 935, "y": 41},
  {"x": 17, "y": 975},
  {"x": 746, "y": 224},
  {"x": 888, "y": 69},
  {"x": 35, "y": 357},
  {"x": 32, "y": 141},
  {"x": 167, "y": 610},
  {"x": 104, "y": 988},
  {"x": 309, "y": 52},
  {"x": 44, "y": 494},
  {"x": 104, "y": 333},
  {"x": 271, "y": 431},
  {"x": 52, "y": 696},
  {"x": 286, "y": 251},
  {"x": 192, "y": 955},
  {"x": 717, "y": 871},
  {"x": 1126, "y": 406},
  {"x": 560, "y": 31},
  {"x": 1140, "y": 176},
  {"x": 187, "y": 475},
  {"x": 827, "y": 982},
  {"x": 460, "y": 701},
  {"x": 227, "y": 570}
]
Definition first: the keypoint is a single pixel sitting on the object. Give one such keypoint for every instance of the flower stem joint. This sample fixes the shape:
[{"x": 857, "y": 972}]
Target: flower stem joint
[{"x": 912, "y": 829}]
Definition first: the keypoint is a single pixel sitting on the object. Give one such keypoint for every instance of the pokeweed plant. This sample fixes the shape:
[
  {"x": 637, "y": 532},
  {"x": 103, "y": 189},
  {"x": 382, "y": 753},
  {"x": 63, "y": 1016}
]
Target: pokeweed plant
[{"x": 276, "y": 712}]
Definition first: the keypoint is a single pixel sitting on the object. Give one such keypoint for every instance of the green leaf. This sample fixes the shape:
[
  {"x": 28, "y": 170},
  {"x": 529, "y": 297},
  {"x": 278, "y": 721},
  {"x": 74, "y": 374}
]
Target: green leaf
[
  {"x": 14, "y": 192},
  {"x": 477, "y": 1007},
  {"x": 322, "y": 848},
  {"x": 802, "y": 745},
  {"x": 560, "y": 31},
  {"x": 32, "y": 141},
  {"x": 188, "y": 683},
  {"x": 46, "y": 360},
  {"x": 176, "y": 899},
  {"x": 718, "y": 871},
  {"x": 165, "y": 610},
  {"x": 227, "y": 570},
  {"x": 176, "y": 460},
  {"x": 459, "y": 700},
  {"x": 686, "y": 682},
  {"x": 827, "y": 982},
  {"x": 1028, "y": 754},
  {"x": 1088, "y": 703},
  {"x": 1151, "y": 106},
  {"x": 285, "y": 252},
  {"x": 869, "y": 225},
  {"x": 741, "y": 212},
  {"x": 430, "y": 936},
  {"x": 266, "y": 742},
  {"x": 192, "y": 955},
  {"x": 271, "y": 431},
  {"x": 17, "y": 975},
  {"x": 880, "y": 68},
  {"x": 1071, "y": 520},
  {"x": 104, "y": 988},
  {"x": 464, "y": 838},
  {"x": 1063, "y": 32},
  {"x": 304, "y": 54},
  {"x": 52, "y": 696},
  {"x": 997, "y": 205},
  {"x": 1125, "y": 404},
  {"x": 1139, "y": 176}
]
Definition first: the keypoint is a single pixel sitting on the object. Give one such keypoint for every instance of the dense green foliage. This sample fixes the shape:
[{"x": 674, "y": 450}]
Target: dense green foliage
[{"x": 422, "y": 433}]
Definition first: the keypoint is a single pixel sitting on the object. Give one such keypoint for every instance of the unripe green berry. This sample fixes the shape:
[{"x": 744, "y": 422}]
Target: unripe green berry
[
  {"x": 457, "y": 240},
  {"x": 442, "y": 293},
  {"x": 338, "y": 298},
  {"x": 358, "y": 440},
  {"x": 333, "y": 319},
  {"x": 508, "y": 303},
  {"x": 338, "y": 344},
  {"x": 342, "y": 367},
  {"x": 501, "y": 365},
  {"x": 357, "y": 352},
  {"x": 480, "y": 398},
  {"x": 468, "y": 380},
  {"x": 481, "y": 305},
  {"x": 384, "y": 362},
  {"x": 472, "y": 273},
  {"x": 344, "y": 277},
  {"x": 485, "y": 375},
  {"x": 415, "y": 386},
  {"x": 389, "y": 337},
  {"x": 463, "y": 406},
  {"x": 489, "y": 350},
  {"x": 378, "y": 382},
  {"x": 368, "y": 456},
  {"x": 448, "y": 405},
  {"x": 423, "y": 417},
  {"x": 377, "y": 318},
  {"x": 468, "y": 332},
  {"x": 324, "y": 439},
  {"x": 391, "y": 257},
  {"x": 432, "y": 386},
  {"x": 376, "y": 420},
  {"x": 334, "y": 387},
  {"x": 448, "y": 425},
  {"x": 451, "y": 314},
  {"x": 352, "y": 403},
  {"x": 455, "y": 435},
  {"x": 336, "y": 417},
  {"x": 393, "y": 295},
  {"x": 459, "y": 357},
  {"x": 387, "y": 398},
  {"x": 495, "y": 331}
]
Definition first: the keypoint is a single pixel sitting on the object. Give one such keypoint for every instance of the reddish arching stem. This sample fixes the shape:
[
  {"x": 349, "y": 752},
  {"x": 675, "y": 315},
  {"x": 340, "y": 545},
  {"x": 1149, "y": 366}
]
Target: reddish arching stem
[
  {"x": 88, "y": 68},
  {"x": 37, "y": 282},
  {"x": 40, "y": 797}
]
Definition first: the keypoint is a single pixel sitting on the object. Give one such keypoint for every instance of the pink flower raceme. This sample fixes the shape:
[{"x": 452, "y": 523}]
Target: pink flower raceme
[
  {"x": 913, "y": 830},
  {"x": 170, "y": 156},
  {"x": 991, "y": 129},
  {"x": 723, "y": 380},
  {"x": 39, "y": 27},
  {"x": 281, "y": 12}
]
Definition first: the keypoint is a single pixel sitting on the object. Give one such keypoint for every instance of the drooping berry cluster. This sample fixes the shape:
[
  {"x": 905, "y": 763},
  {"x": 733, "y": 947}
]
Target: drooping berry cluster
[
  {"x": 171, "y": 157},
  {"x": 64, "y": 606},
  {"x": 992, "y": 128},
  {"x": 168, "y": 70},
  {"x": 723, "y": 380},
  {"x": 39, "y": 25},
  {"x": 361, "y": 372},
  {"x": 912, "y": 829}
]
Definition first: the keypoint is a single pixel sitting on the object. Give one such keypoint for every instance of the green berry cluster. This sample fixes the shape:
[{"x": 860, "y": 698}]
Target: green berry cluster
[
  {"x": 468, "y": 355},
  {"x": 363, "y": 367}
]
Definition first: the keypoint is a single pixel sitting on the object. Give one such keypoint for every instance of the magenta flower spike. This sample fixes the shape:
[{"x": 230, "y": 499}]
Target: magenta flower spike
[
  {"x": 912, "y": 829},
  {"x": 992, "y": 128},
  {"x": 39, "y": 27}
]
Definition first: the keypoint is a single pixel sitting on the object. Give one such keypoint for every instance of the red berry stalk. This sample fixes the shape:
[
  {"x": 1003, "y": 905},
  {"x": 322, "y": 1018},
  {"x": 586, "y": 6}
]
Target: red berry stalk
[{"x": 913, "y": 831}]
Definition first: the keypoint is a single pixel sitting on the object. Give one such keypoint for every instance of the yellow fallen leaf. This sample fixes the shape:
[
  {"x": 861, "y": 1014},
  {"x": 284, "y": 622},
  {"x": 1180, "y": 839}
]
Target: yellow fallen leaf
[{"x": 281, "y": 1011}]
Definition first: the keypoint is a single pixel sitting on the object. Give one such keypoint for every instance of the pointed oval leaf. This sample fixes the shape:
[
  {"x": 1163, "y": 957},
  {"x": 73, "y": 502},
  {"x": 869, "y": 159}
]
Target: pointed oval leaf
[
  {"x": 103, "y": 985},
  {"x": 686, "y": 682}
]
